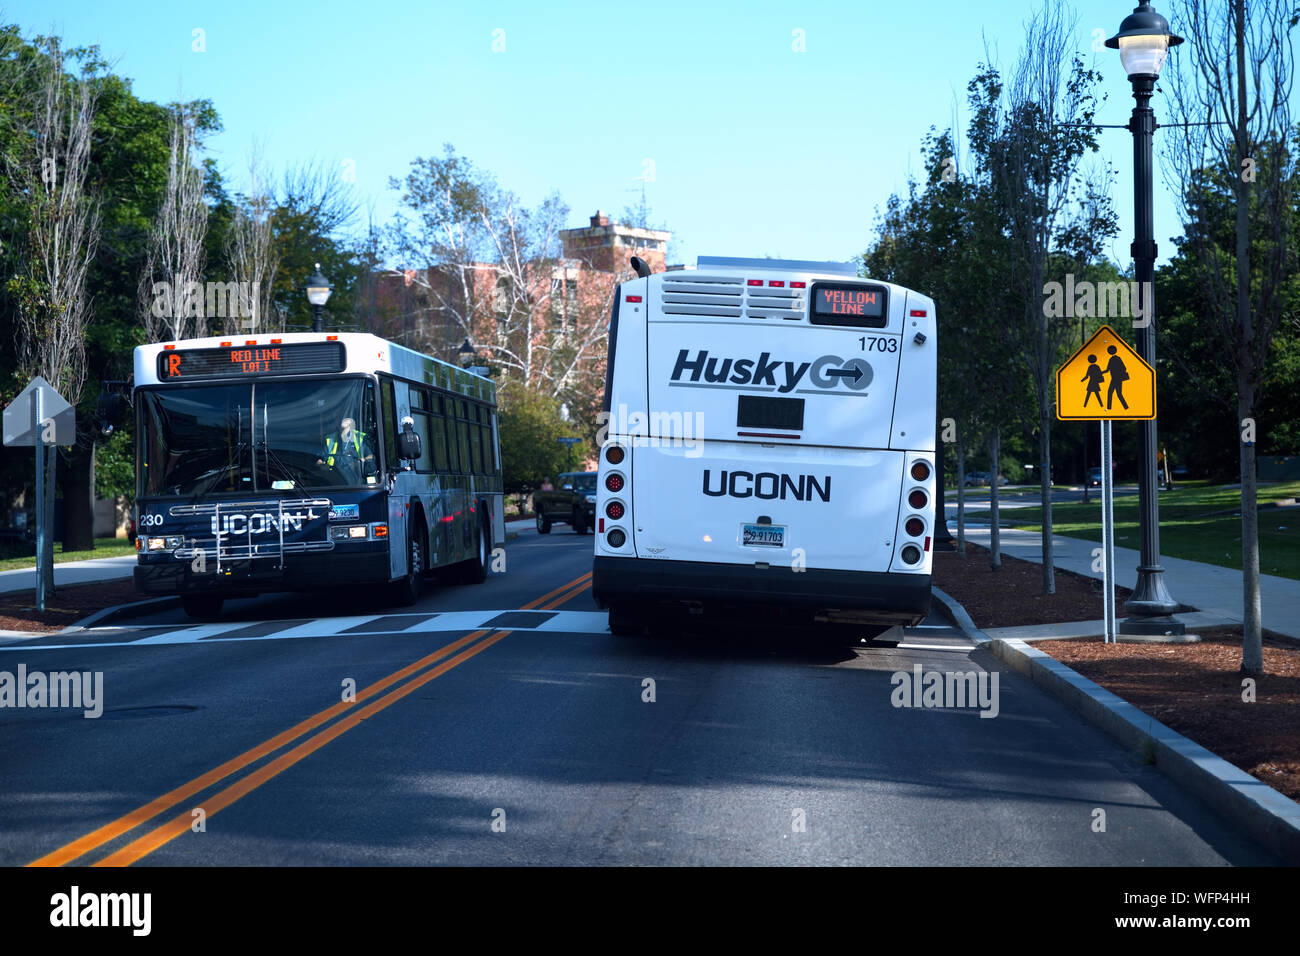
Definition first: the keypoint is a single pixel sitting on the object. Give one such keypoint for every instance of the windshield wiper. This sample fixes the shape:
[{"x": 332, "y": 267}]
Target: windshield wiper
[{"x": 289, "y": 472}]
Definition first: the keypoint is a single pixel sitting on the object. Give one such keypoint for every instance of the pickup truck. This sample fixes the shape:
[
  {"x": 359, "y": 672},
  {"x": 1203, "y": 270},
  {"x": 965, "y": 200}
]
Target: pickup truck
[{"x": 573, "y": 503}]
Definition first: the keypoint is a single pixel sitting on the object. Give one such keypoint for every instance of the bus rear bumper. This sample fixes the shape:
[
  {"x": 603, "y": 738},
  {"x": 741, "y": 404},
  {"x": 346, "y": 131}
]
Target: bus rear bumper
[
  {"x": 882, "y": 596},
  {"x": 303, "y": 572}
]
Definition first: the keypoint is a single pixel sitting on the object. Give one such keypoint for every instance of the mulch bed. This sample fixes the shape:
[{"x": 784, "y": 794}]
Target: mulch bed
[
  {"x": 1013, "y": 595},
  {"x": 1196, "y": 690},
  {"x": 66, "y": 606},
  {"x": 1193, "y": 688}
]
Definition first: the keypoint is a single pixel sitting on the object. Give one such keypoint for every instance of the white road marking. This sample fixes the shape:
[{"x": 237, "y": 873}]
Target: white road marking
[{"x": 568, "y": 622}]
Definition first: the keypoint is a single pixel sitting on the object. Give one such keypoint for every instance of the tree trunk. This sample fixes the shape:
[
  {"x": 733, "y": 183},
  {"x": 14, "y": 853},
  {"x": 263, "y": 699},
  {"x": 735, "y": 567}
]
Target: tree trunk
[
  {"x": 995, "y": 536},
  {"x": 1252, "y": 652},
  {"x": 961, "y": 496},
  {"x": 1252, "y": 647},
  {"x": 79, "y": 498},
  {"x": 1045, "y": 467}
]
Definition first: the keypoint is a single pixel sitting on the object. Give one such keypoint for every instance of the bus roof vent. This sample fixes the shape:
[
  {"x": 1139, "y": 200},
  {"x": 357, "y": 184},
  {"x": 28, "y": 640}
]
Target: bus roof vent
[
  {"x": 702, "y": 295},
  {"x": 792, "y": 265}
]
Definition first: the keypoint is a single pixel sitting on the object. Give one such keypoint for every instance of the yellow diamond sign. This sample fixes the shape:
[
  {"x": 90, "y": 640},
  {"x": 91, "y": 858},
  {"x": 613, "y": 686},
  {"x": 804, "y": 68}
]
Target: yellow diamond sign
[{"x": 1104, "y": 380}]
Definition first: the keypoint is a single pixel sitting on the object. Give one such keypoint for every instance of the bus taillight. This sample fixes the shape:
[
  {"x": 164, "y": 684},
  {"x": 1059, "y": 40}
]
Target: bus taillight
[
  {"x": 614, "y": 454},
  {"x": 920, "y": 470},
  {"x": 614, "y": 482},
  {"x": 914, "y": 527},
  {"x": 918, "y": 499},
  {"x": 911, "y": 554},
  {"x": 615, "y": 510}
]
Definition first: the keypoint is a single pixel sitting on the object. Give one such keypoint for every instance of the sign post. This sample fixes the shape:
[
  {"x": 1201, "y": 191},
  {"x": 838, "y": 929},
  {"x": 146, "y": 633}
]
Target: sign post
[
  {"x": 1108, "y": 534},
  {"x": 1078, "y": 398},
  {"x": 41, "y": 418}
]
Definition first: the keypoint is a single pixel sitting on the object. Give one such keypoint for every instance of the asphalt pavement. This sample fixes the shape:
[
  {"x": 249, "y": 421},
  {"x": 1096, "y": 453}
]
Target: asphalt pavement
[{"x": 502, "y": 724}]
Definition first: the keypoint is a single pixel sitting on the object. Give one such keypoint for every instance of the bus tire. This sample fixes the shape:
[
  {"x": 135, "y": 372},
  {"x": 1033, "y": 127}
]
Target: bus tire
[
  {"x": 406, "y": 590},
  {"x": 474, "y": 571},
  {"x": 543, "y": 524},
  {"x": 202, "y": 607},
  {"x": 625, "y": 622}
]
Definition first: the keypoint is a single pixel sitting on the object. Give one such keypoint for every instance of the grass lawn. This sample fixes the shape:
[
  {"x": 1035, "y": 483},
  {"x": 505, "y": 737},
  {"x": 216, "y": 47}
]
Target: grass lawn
[
  {"x": 1198, "y": 522},
  {"x": 104, "y": 548}
]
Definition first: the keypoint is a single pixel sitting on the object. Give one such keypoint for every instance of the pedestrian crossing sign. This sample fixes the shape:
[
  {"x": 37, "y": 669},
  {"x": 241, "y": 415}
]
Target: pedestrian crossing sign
[{"x": 1105, "y": 380}]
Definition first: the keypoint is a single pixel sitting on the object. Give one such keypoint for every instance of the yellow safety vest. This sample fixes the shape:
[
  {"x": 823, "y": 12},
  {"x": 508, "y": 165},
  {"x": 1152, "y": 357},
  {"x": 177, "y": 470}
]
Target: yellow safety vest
[{"x": 332, "y": 446}]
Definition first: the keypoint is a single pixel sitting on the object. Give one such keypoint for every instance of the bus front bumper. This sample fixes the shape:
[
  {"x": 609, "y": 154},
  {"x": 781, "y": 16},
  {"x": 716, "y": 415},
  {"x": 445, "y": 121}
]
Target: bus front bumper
[
  {"x": 301, "y": 572},
  {"x": 894, "y": 598}
]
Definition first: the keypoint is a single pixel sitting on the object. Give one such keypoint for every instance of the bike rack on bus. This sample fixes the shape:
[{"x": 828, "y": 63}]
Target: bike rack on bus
[{"x": 241, "y": 547}]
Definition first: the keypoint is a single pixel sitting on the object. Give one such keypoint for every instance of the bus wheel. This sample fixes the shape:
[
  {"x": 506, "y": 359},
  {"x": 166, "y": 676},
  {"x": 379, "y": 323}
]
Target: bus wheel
[
  {"x": 475, "y": 569},
  {"x": 203, "y": 607},
  {"x": 543, "y": 524},
  {"x": 407, "y": 590},
  {"x": 625, "y": 621}
]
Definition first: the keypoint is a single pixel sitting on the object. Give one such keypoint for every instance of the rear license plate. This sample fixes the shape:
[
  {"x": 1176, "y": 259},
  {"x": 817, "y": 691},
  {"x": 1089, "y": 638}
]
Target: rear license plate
[{"x": 763, "y": 535}]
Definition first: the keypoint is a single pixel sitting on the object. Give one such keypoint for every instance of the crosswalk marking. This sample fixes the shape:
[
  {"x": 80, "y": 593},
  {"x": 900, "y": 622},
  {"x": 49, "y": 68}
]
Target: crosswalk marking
[{"x": 569, "y": 622}]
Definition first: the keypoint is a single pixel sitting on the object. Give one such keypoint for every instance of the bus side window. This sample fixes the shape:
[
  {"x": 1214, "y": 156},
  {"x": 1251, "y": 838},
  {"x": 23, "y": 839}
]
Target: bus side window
[
  {"x": 388, "y": 414},
  {"x": 449, "y": 432},
  {"x": 462, "y": 432},
  {"x": 420, "y": 415},
  {"x": 475, "y": 442}
]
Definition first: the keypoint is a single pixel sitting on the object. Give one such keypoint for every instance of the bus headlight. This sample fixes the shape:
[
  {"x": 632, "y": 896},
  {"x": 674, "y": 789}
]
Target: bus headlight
[{"x": 157, "y": 544}]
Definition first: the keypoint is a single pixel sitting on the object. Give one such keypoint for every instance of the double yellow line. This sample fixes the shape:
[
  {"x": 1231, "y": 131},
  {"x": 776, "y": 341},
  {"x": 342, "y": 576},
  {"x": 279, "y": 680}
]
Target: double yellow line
[{"x": 462, "y": 649}]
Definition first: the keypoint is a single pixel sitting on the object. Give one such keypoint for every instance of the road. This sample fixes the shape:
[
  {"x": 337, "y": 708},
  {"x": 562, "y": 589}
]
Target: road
[{"x": 502, "y": 724}]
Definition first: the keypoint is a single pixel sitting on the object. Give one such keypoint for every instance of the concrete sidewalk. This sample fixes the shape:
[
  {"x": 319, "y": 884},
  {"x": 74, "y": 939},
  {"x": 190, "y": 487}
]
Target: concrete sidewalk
[
  {"x": 93, "y": 571},
  {"x": 1206, "y": 587}
]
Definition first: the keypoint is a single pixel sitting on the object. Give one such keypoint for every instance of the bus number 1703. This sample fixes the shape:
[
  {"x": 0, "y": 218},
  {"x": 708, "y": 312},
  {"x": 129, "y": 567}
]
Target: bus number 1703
[{"x": 878, "y": 343}]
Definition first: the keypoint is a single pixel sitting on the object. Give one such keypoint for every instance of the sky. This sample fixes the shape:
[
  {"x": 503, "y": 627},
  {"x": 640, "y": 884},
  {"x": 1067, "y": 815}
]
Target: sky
[{"x": 744, "y": 144}]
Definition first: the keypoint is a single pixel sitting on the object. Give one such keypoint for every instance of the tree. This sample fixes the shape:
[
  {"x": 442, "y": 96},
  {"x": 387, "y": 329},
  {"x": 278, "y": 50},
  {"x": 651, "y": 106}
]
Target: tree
[
  {"x": 1241, "y": 152},
  {"x": 529, "y": 428},
  {"x": 492, "y": 272},
  {"x": 1029, "y": 143},
  {"x": 251, "y": 253},
  {"x": 49, "y": 168},
  {"x": 172, "y": 301}
]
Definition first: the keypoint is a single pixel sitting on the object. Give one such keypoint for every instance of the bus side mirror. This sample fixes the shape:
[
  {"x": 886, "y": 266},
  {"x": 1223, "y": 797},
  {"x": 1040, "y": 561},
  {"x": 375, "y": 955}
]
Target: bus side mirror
[{"x": 408, "y": 442}]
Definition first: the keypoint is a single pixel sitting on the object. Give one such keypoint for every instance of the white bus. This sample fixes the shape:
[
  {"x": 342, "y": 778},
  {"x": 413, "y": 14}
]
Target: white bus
[
  {"x": 310, "y": 461},
  {"x": 769, "y": 446}
]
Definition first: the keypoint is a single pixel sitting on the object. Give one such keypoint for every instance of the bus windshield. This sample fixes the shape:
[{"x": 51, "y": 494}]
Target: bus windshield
[{"x": 258, "y": 437}]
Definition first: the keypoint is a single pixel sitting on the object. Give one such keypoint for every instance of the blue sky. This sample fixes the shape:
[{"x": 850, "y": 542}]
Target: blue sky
[{"x": 755, "y": 149}]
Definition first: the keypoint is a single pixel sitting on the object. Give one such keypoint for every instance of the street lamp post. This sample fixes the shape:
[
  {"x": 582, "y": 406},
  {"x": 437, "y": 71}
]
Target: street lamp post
[
  {"x": 465, "y": 354},
  {"x": 1143, "y": 42},
  {"x": 318, "y": 291}
]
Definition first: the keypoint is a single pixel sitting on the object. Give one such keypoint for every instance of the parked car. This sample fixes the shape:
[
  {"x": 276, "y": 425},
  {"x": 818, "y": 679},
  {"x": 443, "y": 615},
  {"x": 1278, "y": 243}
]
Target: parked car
[
  {"x": 1094, "y": 475},
  {"x": 980, "y": 479},
  {"x": 573, "y": 503}
]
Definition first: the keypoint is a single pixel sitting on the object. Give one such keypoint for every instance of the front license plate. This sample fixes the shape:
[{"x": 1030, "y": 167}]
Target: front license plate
[{"x": 763, "y": 535}]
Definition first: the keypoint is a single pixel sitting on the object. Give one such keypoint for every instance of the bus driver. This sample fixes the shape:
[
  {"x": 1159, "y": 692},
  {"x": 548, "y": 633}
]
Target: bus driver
[{"x": 350, "y": 453}]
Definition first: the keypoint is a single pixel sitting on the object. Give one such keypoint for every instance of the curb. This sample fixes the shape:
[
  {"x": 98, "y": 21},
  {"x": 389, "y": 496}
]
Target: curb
[
  {"x": 1244, "y": 802},
  {"x": 957, "y": 614},
  {"x": 107, "y": 614}
]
